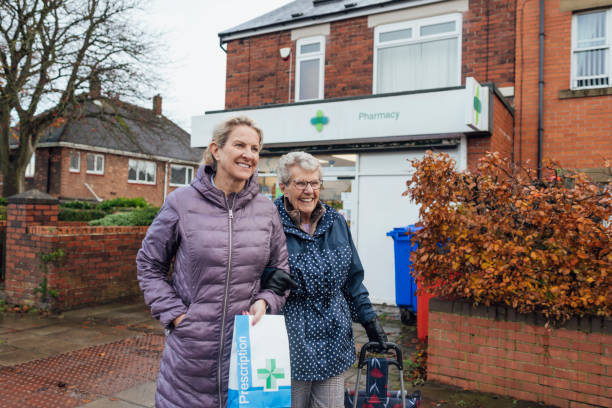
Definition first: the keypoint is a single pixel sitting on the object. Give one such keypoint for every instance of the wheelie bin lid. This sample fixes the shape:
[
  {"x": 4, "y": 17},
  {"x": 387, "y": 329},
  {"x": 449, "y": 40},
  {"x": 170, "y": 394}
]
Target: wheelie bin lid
[{"x": 403, "y": 233}]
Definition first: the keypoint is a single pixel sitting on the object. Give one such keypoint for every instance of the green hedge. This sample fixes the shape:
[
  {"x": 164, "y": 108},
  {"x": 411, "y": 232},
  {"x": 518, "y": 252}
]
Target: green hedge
[
  {"x": 78, "y": 205},
  {"x": 71, "y": 214},
  {"x": 109, "y": 205},
  {"x": 138, "y": 217}
]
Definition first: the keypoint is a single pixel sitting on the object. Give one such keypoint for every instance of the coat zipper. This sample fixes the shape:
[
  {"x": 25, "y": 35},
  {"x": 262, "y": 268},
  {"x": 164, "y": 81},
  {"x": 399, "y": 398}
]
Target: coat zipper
[{"x": 227, "y": 280}]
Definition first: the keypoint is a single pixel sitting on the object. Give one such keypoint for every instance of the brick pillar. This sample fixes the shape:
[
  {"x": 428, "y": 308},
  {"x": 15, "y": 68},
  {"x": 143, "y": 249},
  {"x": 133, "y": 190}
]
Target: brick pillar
[{"x": 23, "y": 270}]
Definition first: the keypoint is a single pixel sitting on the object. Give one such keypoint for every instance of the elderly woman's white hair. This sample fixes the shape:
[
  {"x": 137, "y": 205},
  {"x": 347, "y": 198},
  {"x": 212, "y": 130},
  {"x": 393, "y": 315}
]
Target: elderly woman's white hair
[{"x": 302, "y": 159}]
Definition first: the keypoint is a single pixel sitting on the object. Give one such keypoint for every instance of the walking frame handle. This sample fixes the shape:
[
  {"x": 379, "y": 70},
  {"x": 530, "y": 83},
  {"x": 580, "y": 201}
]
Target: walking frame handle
[{"x": 374, "y": 347}]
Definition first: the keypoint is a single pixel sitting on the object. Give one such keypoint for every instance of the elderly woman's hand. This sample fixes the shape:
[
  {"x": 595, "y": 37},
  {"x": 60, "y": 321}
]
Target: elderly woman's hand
[{"x": 257, "y": 310}]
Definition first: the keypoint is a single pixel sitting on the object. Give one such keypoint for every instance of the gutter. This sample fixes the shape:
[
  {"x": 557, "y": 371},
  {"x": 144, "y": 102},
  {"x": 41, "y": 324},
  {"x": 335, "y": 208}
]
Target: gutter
[
  {"x": 541, "y": 91},
  {"x": 116, "y": 152}
]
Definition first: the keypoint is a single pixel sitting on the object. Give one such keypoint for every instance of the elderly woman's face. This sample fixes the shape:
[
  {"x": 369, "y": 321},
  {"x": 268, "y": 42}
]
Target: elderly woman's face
[{"x": 300, "y": 191}]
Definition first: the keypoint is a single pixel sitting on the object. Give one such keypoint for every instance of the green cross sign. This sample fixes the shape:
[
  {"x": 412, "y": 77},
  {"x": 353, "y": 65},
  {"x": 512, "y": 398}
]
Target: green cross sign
[
  {"x": 477, "y": 104},
  {"x": 319, "y": 120},
  {"x": 270, "y": 373}
]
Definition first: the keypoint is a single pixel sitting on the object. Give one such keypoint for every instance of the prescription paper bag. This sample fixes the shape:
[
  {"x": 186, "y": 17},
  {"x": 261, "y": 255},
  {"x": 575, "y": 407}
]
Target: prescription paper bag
[{"x": 260, "y": 374}]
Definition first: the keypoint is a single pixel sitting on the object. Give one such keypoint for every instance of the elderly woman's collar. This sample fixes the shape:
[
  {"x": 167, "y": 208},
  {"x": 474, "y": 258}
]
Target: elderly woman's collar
[{"x": 296, "y": 216}]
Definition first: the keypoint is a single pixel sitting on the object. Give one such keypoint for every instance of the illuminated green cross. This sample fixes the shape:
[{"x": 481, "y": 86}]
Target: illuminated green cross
[
  {"x": 270, "y": 373},
  {"x": 319, "y": 120},
  {"x": 477, "y": 103}
]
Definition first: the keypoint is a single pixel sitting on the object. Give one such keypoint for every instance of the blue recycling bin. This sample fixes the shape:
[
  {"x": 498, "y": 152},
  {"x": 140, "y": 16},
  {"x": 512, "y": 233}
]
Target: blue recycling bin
[{"x": 405, "y": 286}]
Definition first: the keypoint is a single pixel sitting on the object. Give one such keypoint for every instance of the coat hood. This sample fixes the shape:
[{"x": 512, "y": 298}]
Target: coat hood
[{"x": 204, "y": 186}]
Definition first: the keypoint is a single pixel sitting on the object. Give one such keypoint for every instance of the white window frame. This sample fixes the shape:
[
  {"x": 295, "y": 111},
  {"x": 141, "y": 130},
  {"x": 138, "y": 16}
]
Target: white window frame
[
  {"x": 575, "y": 50},
  {"x": 131, "y": 161},
  {"x": 416, "y": 37},
  {"x": 31, "y": 167},
  {"x": 74, "y": 169},
  {"x": 95, "y": 171},
  {"x": 178, "y": 166},
  {"x": 320, "y": 55}
]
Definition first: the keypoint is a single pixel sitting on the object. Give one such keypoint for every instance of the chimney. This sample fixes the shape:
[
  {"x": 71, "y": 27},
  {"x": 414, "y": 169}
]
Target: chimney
[
  {"x": 157, "y": 104},
  {"x": 95, "y": 86}
]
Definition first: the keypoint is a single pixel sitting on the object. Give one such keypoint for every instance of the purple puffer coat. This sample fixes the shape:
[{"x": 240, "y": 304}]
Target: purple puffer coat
[{"x": 220, "y": 247}]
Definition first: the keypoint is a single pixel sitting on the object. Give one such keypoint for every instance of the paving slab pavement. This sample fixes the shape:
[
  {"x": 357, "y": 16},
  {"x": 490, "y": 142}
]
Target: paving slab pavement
[{"x": 108, "y": 357}]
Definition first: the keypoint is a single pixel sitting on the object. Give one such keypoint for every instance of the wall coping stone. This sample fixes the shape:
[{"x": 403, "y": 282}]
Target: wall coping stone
[
  {"x": 32, "y": 197},
  {"x": 85, "y": 230},
  {"x": 463, "y": 307}
]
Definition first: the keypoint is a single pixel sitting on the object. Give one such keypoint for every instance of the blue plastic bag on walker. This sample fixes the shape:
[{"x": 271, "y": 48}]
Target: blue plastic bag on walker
[{"x": 260, "y": 374}]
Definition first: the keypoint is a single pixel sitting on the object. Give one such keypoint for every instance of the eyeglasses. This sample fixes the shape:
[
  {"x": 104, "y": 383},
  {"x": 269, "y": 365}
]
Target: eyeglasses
[{"x": 315, "y": 184}]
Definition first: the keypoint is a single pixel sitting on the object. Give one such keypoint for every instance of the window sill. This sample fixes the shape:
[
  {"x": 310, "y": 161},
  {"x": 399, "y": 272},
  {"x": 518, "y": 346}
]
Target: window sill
[
  {"x": 75, "y": 171},
  {"x": 94, "y": 173},
  {"x": 583, "y": 93},
  {"x": 177, "y": 185},
  {"x": 147, "y": 183}
]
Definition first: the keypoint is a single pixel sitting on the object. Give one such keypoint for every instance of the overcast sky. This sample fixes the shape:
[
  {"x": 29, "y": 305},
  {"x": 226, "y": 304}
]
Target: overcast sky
[{"x": 195, "y": 78}]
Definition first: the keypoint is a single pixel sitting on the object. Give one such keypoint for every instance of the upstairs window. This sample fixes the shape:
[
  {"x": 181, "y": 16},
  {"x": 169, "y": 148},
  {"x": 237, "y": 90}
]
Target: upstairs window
[
  {"x": 418, "y": 54},
  {"x": 180, "y": 175},
  {"x": 142, "y": 171},
  {"x": 95, "y": 163},
  {"x": 310, "y": 68},
  {"x": 591, "y": 49},
  {"x": 75, "y": 162},
  {"x": 31, "y": 167}
]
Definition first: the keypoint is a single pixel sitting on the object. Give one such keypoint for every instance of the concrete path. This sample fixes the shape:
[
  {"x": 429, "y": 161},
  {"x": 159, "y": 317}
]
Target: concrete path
[{"x": 108, "y": 357}]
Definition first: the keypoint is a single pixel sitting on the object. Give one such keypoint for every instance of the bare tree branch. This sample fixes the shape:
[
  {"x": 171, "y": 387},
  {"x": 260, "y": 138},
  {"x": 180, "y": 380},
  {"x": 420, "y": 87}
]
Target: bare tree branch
[{"x": 48, "y": 52}]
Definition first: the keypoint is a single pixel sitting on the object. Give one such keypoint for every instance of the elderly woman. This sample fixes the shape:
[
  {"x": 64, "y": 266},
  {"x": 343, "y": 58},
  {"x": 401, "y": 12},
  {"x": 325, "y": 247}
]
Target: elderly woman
[
  {"x": 330, "y": 292},
  {"x": 221, "y": 235}
]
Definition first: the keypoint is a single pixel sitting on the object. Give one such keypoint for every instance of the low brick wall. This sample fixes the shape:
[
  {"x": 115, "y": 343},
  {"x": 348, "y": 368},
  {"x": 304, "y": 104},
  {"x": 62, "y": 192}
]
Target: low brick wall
[
  {"x": 85, "y": 265},
  {"x": 98, "y": 265},
  {"x": 494, "y": 349}
]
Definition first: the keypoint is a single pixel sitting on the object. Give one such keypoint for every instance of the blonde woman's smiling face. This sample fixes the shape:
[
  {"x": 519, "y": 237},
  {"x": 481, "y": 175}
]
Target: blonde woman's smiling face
[{"x": 237, "y": 160}]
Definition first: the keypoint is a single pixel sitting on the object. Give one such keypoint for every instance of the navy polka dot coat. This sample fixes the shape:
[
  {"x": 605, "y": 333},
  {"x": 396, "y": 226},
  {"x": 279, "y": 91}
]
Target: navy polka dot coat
[{"x": 331, "y": 294}]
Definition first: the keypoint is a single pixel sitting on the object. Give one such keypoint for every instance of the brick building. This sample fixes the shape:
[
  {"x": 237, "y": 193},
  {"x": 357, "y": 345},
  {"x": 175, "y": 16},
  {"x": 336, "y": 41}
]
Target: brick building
[
  {"x": 368, "y": 85},
  {"x": 577, "y": 84},
  {"x": 107, "y": 148}
]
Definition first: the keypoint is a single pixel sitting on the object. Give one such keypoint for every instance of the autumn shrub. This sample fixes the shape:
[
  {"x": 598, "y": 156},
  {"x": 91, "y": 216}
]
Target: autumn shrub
[{"x": 502, "y": 236}]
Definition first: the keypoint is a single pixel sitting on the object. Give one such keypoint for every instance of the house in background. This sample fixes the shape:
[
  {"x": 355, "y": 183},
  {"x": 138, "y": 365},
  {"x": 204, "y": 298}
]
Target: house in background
[
  {"x": 366, "y": 86},
  {"x": 107, "y": 148}
]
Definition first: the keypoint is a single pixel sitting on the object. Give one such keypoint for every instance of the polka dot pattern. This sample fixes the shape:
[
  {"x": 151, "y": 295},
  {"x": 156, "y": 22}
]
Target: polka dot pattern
[{"x": 320, "y": 312}]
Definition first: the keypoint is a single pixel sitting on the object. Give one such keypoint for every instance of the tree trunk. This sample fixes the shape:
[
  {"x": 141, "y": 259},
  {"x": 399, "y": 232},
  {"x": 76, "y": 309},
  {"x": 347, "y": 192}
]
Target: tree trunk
[{"x": 13, "y": 181}]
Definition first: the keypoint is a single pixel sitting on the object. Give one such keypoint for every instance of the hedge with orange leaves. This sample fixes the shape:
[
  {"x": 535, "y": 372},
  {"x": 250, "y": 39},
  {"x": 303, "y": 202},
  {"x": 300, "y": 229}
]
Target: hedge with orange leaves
[{"x": 502, "y": 236}]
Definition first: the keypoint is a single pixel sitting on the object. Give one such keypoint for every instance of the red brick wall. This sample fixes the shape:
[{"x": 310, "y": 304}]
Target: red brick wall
[
  {"x": 256, "y": 75},
  {"x": 495, "y": 350},
  {"x": 489, "y": 41},
  {"x": 577, "y": 131},
  {"x": 500, "y": 139},
  {"x": 98, "y": 266},
  {"x": 22, "y": 273}
]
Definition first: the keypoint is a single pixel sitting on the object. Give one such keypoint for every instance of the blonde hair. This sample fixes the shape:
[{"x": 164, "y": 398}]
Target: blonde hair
[{"x": 222, "y": 132}]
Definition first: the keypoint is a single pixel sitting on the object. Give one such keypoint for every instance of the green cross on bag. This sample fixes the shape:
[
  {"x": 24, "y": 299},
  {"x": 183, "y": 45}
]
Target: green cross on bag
[{"x": 270, "y": 373}]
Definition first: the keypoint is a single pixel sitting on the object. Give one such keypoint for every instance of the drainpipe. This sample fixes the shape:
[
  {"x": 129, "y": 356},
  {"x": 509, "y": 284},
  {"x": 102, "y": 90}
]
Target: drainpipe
[
  {"x": 166, "y": 181},
  {"x": 541, "y": 90}
]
